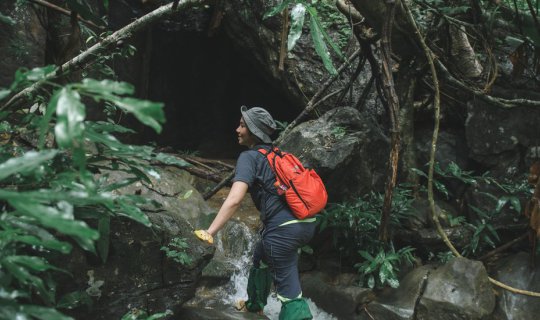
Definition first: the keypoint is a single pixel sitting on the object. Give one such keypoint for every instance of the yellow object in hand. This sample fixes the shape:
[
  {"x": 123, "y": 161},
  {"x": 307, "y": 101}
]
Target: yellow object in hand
[{"x": 204, "y": 236}]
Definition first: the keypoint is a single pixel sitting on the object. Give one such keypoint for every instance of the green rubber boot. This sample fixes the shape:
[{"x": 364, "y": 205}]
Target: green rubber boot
[
  {"x": 296, "y": 309},
  {"x": 258, "y": 288}
]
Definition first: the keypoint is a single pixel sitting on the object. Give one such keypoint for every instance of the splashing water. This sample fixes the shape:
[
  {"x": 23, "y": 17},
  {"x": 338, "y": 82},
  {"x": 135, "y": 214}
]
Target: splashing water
[{"x": 238, "y": 283}]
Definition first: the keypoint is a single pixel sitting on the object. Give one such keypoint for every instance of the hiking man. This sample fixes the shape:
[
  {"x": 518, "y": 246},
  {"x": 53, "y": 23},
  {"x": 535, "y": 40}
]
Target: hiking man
[{"x": 276, "y": 253}]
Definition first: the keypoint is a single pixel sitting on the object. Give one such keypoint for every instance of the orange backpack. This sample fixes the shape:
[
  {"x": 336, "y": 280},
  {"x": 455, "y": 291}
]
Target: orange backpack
[{"x": 303, "y": 188}]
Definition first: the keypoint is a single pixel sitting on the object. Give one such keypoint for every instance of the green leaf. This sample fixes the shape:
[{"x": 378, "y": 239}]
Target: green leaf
[
  {"x": 44, "y": 124},
  {"x": 186, "y": 195},
  {"x": 7, "y": 20},
  {"x": 31, "y": 262},
  {"x": 371, "y": 281},
  {"x": 106, "y": 87},
  {"x": 134, "y": 213},
  {"x": 104, "y": 226},
  {"x": 169, "y": 159},
  {"x": 74, "y": 299},
  {"x": 419, "y": 172},
  {"x": 107, "y": 127},
  {"x": 277, "y": 9},
  {"x": 516, "y": 204},
  {"x": 297, "y": 22},
  {"x": 314, "y": 14},
  {"x": 26, "y": 278},
  {"x": 4, "y": 93},
  {"x": 60, "y": 246},
  {"x": 43, "y": 313},
  {"x": 28, "y": 162},
  {"x": 441, "y": 187},
  {"x": 320, "y": 46},
  {"x": 70, "y": 114},
  {"x": 394, "y": 283},
  {"x": 148, "y": 112},
  {"x": 61, "y": 221}
]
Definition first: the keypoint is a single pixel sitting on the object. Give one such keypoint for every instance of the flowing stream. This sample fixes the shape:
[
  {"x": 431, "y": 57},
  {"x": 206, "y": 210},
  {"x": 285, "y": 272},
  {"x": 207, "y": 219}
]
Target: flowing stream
[
  {"x": 236, "y": 288},
  {"x": 234, "y": 246}
]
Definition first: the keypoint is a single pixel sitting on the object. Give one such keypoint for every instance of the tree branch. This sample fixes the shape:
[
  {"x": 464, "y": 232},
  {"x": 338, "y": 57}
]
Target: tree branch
[
  {"x": 93, "y": 52},
  {"x": 311, "y": 104},
  {"x": 65, "y": 12}
]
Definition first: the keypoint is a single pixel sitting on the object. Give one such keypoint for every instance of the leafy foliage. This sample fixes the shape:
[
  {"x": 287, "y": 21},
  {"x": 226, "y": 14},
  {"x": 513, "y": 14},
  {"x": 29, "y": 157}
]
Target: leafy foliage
[
  {"x": 378, "y": 270},
  {"x": 482, "y": 225},
  {"x": 51, "y": 196},
  {"x": 356, "y": 231},
  {"x": 177, "y": 251},
  {"x": 321, "y": 39}
]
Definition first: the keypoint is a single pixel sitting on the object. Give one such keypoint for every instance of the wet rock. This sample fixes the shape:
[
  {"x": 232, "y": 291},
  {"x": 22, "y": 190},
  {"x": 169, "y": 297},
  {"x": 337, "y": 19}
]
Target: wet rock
[
  {"x": 495, "y": 135},
  {"x": 345, "y": 149},
  {"x": 460, "y": 289},
  {"x": 399, "y": 303},
  {"x": 137, "y": 274},
  {"x": 516, "y": 272},
  {"x": 189, "y": 313},
  {"x": 337, "y": 297},
  {"x": 171, "y": 188}
]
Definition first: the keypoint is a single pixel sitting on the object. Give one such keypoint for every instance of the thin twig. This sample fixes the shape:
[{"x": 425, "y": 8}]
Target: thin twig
[
  {"x": 503, "y": 247},
  {"x": 65, "y": 12}
]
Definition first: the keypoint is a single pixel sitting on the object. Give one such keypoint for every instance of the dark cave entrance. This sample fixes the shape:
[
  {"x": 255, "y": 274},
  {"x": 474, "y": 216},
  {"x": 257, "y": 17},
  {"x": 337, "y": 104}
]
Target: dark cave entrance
[{"x": 203, "y": 81}]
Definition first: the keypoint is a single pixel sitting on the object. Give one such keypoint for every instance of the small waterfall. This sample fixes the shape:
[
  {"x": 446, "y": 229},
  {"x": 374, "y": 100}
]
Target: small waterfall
[{"x": 236, "y": 288}]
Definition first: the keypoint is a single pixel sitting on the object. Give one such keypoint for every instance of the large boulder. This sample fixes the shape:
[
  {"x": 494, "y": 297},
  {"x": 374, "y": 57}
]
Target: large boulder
[
  {"x": 399, "y": 303},
  {"x": 346, "y": 149},
  {"x": 516, "y": 272},
  {"x": 136, "y": 273},
  {"x": 171, "y": 188},
  {"x": 496, "y": 136},
  {"x": 335, "y": 294},
  {"x": 460, "y": 289}
]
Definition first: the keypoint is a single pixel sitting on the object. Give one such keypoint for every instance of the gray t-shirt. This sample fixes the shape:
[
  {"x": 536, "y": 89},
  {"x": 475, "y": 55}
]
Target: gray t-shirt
[{"x": 253, "y": 169}]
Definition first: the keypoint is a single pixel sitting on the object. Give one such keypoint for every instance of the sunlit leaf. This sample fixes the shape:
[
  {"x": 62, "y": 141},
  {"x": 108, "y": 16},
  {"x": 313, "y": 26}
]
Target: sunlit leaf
[
  {"x": 320, "y": 46},
  {"x": 4, "y": 93},
  {"x": 74, "y": 299},
  {"x": 148, "y": 112},
  {"x": 104, "y": 226},
  {"x": 70, "y": 114},
  {"x": 6, "y": 19},
  {"x": 169, "y": 159},
  {"x": 107, "y": 87},
  {"x": 277, "y": 9},
  {"x": 297, "y": 22},
  {"x": 59, "y": 220},
  {"x": 28, "y": 162},
  {"x": 43, "y": 313}
]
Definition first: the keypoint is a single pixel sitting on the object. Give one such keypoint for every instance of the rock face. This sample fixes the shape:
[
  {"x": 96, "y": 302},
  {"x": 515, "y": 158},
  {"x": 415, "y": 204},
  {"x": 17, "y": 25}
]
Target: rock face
[
  {"x": 137, "y": 274},
  {"x": 515, "y": 271},
  {"x": 459, "y": 289},
  {"x": 495, "y": 135},
  {"x": 346, "y": 150}
]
